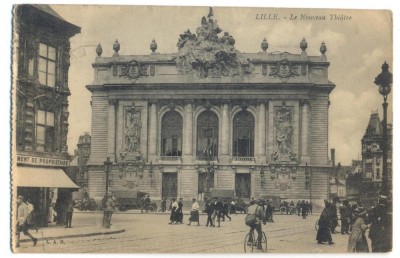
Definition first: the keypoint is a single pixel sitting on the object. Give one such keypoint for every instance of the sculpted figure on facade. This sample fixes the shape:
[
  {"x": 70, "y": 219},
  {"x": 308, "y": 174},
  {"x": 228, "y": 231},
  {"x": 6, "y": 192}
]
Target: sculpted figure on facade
[
  {"x": 284, "y": 133},
  {"x": 133, "y": 128},
  {"x": 208, "y": 55}
]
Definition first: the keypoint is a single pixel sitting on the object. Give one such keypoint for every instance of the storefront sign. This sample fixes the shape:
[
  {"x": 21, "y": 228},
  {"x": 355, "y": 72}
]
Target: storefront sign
[{"x": 41, "y": 161}]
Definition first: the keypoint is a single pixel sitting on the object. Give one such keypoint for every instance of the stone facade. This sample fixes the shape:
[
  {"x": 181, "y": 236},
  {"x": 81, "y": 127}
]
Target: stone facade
[{"x": 250, "y": 121}]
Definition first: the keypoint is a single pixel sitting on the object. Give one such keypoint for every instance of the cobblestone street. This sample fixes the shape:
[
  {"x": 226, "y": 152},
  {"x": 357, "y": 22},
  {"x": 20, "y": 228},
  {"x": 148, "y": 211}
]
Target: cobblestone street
[{"x": 151, "y": 233}]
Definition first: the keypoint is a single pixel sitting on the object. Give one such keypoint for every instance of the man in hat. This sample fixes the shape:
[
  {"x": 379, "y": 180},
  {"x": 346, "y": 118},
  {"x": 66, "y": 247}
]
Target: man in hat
[
  {"x": 379, "y": 227},
  {"x": 345, "y": 217},
  {"x": 22, "y": 224}
]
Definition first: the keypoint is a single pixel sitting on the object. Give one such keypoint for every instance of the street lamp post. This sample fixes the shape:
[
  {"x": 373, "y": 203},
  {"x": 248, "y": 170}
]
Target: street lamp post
[
  {"x": 106, "y": 212},
  {"x": 384, "y": 81},
  {"x": 107, "y": 169}
]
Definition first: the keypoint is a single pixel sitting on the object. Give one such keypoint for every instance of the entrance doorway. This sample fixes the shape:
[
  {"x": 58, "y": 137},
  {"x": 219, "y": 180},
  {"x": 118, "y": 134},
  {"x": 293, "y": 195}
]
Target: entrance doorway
[
  {"x": 243, "y": 185},
  {"x": 169, "y": 185}
]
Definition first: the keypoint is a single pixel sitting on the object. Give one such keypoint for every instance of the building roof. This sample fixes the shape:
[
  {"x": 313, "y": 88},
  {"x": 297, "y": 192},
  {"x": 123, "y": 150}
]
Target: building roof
[
  {"x": 209, "y": 57},
  {"x": 41, "y": 14}
]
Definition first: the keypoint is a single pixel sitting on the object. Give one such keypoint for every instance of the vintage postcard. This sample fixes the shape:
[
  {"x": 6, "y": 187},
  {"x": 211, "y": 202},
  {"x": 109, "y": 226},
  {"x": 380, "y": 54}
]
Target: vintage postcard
[{"x": 155, "y": 129}]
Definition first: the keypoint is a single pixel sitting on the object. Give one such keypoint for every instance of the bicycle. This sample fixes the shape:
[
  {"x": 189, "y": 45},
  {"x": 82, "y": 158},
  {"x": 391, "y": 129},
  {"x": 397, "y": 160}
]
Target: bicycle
[{"x": 250, "y": 246}]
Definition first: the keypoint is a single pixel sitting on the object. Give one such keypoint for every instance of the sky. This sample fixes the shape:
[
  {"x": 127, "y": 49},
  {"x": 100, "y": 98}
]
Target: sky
[{"x": 356, "y": 50}]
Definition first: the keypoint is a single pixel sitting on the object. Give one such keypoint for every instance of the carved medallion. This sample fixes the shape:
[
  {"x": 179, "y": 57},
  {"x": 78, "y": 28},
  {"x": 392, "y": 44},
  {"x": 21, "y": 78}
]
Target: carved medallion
[
  {"x": 284, "y": 69},
  {"x": 134, "y": 70}
]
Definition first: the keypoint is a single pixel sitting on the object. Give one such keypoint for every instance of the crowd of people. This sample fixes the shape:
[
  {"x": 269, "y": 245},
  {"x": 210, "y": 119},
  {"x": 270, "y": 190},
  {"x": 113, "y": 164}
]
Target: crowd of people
[{"x": 355, "y": 221}]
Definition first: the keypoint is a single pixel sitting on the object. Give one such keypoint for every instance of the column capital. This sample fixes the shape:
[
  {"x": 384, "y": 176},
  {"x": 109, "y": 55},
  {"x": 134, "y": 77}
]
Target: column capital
[
  {"x": 262, "y": 101},
  {"x": 189, "y": 101},
  {"x": 304, "y": 102},
  {"x": 226, "y": 101},
  {"x": 153, "y": 101},
  {"x": 112, "y": 102}
]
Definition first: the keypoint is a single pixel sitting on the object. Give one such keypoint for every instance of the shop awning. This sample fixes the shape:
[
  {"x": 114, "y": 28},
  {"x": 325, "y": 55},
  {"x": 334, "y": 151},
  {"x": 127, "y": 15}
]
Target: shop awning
[{"x": 42, "y": 177}]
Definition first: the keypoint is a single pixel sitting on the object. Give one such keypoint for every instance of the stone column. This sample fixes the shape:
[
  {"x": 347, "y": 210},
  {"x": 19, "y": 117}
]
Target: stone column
[
  {"x": 224, "y": 155},
  {"x": 261, "y": 131},
  {"x": 305, "y": 121},
  {"x": 111, "y": 129},
  {"x": 188, "y": 129},
  {"x": 153, "y": 131}
]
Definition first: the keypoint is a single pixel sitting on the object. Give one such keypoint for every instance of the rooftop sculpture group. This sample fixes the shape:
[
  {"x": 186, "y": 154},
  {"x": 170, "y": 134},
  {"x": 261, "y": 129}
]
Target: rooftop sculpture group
[{"x": 209, "y": 55}]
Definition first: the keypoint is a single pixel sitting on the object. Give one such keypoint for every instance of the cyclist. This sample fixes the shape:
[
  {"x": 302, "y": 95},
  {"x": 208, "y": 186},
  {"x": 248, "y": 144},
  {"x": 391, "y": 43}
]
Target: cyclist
[{"x": 257, "y": 209}]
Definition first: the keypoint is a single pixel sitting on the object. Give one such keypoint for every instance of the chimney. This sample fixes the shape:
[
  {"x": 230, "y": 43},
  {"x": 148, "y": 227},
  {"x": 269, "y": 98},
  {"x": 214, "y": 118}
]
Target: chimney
[{"x": 333, "y": 157}]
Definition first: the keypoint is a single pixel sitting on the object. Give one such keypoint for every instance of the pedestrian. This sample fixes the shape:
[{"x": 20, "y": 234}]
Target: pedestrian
[
  {"x": 254, "y": 217},
  {"x": 357, "y": 241},
  {"x": 345, "y": 215},
  {"x": 324, "y": 232},
  {"x": 68, "y": 213},
  {"x": 147, "y": 203},
  {"x": 31, "y": 217},
  {"x": 109, "y": 208},
  {"x": 218, "y": 211},
  {"x": 225, "y": 212},
  {"x": 270, "y": 211},
  {"x": 179, "y": 211},
  {"x": 334, "y": 217},
  {"x": 311, "y": 207},
  {"x": 194, "y": 213},
  {"x": 307, "y": 208},
  {"x": 209, "y": 207},
  {"x": 379, "y": 228},
  {"x": 298, "y": 207},
  {"x": 164, "y": 204},
  {"x": 304, "y": 209},
  {"x": 233, "y": 207},
  {"x": 174, "y": 206},
  {"x": 22, "y": 224}
]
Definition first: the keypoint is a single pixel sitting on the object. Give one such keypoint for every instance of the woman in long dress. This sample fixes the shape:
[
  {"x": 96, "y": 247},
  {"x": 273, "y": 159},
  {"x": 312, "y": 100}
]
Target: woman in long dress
[
  {"x": 174, "y": 206},
  {"x": 194, "y": 213},
  {"x": 357, "y": 241},
  {"x": 324, "y": 233}
]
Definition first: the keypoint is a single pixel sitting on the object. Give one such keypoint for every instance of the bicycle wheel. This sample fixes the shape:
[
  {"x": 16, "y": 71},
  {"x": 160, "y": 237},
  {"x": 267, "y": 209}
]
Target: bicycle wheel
[
  {"x": 316, "y": 225},
  {"x": 264, "y": 243},
  {"x": 248, "y": 245}
]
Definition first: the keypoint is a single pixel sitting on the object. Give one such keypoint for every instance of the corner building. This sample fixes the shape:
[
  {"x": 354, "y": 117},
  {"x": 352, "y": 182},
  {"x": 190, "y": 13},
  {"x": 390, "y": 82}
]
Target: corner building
[
  {"x": 41, "y": 58},
  {"x": 211, "y": 117}
]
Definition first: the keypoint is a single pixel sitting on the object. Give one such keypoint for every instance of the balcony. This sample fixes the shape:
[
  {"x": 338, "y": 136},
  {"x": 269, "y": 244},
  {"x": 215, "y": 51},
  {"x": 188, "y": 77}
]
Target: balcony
[
  {"x": 243, "y": 159},
  {"x": 171, "y": 158}
]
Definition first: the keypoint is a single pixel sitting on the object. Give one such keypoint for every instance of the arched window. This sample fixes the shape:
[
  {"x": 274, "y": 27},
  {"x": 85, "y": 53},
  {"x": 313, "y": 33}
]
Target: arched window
[
  {"x": 243, "y": 134},
  {"x": 171, "y": 134},
  {"x": 207, "y": 135}
]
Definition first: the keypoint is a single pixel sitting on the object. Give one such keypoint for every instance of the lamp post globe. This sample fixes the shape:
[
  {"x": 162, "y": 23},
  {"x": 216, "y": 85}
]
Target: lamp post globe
[{"x": 384, "y": 81}]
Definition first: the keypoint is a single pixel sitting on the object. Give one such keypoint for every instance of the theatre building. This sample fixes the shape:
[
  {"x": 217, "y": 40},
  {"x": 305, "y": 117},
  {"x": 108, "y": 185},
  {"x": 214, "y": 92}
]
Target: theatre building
[
  {"x": 41, "y": 52},
  {"x": 210, "y": 117}
]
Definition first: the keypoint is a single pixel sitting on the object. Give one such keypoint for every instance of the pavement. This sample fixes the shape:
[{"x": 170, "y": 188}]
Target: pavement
[
  {"x": 133, "y": 232},
  {"x": 54, "y": 232}
]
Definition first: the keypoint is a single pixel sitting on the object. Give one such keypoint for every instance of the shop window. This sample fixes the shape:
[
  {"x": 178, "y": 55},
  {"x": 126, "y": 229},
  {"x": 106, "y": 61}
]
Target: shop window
[
  {"x": 207, "y": 135},
  {"x": 45, "y": 132},
  {"x": 47, "y": 65},
  {"x": 243, "y": 134},
  {"x": 171, "y": 134}
]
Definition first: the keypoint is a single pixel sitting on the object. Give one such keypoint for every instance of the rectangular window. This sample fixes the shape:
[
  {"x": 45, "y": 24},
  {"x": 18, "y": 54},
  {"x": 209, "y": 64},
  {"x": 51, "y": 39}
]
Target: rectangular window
[
  {"x": 45, "y": 132},
  {"x": 47, "y": 65}
]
